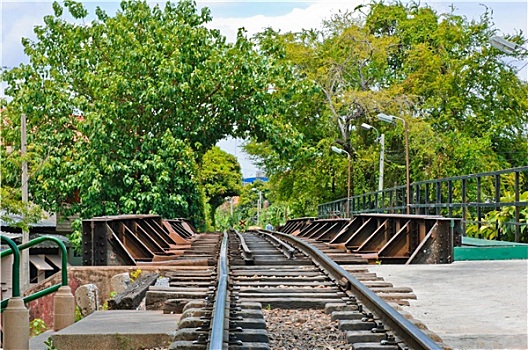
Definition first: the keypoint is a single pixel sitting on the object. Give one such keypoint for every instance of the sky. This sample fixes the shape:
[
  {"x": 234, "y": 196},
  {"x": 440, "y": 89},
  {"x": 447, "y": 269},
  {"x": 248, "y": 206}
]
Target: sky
[{"x": 18, "y": 18}]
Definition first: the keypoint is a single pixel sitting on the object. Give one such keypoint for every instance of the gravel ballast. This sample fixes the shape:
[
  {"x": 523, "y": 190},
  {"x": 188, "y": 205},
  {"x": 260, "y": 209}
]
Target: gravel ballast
[{"x": 294, "y": 329}]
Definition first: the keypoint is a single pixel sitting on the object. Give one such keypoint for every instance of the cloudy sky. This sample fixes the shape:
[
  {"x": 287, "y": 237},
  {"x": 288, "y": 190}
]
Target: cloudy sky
[{"x": 19, "y": 17}]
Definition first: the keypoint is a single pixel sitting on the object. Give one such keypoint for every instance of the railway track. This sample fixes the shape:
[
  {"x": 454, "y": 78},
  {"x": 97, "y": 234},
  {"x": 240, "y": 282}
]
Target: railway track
[{"x": 275, "y": 291}]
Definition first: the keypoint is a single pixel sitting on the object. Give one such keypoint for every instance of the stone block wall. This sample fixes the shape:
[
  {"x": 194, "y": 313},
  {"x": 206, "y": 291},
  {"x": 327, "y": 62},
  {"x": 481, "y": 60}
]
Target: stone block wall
[{"x": 77, "y": 276}]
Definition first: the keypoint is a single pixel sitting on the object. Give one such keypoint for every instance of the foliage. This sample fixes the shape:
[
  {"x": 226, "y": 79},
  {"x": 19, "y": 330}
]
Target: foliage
[
  {"x": 113, "y": 294},
  {"x": 465, "y": 107},
  {"x": 220, "y": 176},
  {"x": 464, "y": 87},
  {"x": 76, "y": 236},
  {"x": 272, "y": 210},
  {"x": 37, "y": 326},
  {"x": 15, "y": 212},
  {"x": 134, "y": 275},
  {"x": 503, "y": 221},
  {"x": 121, "y": 109},
  {"x": 248, "y": 202},
  {"x": 49, "y": 344},
  {"x": 78, "y": 314}
]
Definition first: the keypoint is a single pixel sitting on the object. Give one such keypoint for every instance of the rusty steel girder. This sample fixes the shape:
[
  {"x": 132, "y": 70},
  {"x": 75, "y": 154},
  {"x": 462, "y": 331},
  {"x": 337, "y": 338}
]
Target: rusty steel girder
[
  {"x": 129, "y": 239},
  {"x": 294, "y": 226},
  {"x": 389, "y": 238}
]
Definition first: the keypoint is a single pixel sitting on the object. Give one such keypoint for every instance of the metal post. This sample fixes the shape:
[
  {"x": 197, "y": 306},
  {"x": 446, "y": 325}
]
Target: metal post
[
  {"x": 438, "y": 196},
  {"x": 464, "y": 208},
  {"x": 391, "y": 119},
  {"x": 479, "y": 198},
  {"x": 408, "y": 176},
  {"x": 348, "y": 188},
  {"x": 24, "y": 282},
  {"x": 517, "y": 209},
  {"x": 497, "y": 203},
  {"x": 382, "y": 160},
  {"x": 450, "y": 198},
  {"x": 418, "y": 193},
  {"x": 427, "y": 194}
]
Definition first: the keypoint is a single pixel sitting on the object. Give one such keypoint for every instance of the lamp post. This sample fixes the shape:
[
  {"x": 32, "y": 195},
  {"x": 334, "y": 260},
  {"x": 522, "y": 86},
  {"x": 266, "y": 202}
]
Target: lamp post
[
  {"x": 392, "y": 119},
  {"x": 509, "y": 48},
  {"x": 259, "y": 203},
  {"x": 341, "y": 151},
  {"x": 381, "y": 140}
]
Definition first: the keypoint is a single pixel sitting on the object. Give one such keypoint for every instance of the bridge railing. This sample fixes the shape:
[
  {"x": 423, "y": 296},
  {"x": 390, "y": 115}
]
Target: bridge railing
[{"x": 468, "y": 197}]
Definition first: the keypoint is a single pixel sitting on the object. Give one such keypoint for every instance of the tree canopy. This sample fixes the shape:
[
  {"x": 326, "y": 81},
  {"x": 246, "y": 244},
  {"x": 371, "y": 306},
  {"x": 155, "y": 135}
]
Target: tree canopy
[
  {"x": 122, "y": 109},
  {"x": 466, "y": 109},
  {"x": 221, "y": 177}
]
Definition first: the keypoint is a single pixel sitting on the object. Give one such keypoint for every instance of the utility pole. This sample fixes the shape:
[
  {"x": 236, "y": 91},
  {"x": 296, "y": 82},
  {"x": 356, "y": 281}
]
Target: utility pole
[{"x": 24, "y": 264}]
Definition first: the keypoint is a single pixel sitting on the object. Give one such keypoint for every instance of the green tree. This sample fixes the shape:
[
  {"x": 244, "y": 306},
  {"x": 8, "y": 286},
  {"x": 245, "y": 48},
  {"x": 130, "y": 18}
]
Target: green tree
[
  {"x": 340, "y": 66},
  {"x": 221, "y": 177},
  {"x": 123, "y": 108},
  {"x": 466, "y": 109},
  {"x": 13, "y": 211},
  {"x": 465, "y": 90}
]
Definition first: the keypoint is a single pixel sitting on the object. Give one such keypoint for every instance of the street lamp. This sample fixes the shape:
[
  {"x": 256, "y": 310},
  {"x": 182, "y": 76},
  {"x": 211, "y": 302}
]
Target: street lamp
[
  {"x": 504, "y": 45},
  {"x": 341, "y": 151},
  {"x": 381, "y": 140},
  {"x": 392, "y": 119},
  {"x": 507, "y": 47}
]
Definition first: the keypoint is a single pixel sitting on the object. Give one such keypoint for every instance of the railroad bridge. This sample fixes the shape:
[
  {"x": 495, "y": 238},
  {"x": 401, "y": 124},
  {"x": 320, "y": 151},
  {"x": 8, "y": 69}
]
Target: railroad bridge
[{"x": 307, "y": 284}]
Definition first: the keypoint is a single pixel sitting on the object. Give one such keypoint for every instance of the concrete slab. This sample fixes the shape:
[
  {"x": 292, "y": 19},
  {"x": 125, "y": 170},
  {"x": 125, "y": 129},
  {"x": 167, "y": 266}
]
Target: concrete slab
[
  {"x": 118, "y": 329},
  {"x": 469, "y": 304}
]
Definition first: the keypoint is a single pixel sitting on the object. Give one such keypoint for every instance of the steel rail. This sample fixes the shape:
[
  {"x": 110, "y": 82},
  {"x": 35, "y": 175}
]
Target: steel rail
[
  {"x": 216, "y": 339},
  {"x": 286, "y": 249},
  {"x": 403, "y": 328},
  {"x": 247, "y": 254}
]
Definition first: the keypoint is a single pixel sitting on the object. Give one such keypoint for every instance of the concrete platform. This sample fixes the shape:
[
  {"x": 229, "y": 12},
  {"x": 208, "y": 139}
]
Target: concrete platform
[
  {"x": 469, "y": 304},
  {"x": 116, "y": 329}
]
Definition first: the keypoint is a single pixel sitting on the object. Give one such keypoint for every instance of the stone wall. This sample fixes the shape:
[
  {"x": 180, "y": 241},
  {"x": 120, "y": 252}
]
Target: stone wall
[{"x": 77, "y": 276}]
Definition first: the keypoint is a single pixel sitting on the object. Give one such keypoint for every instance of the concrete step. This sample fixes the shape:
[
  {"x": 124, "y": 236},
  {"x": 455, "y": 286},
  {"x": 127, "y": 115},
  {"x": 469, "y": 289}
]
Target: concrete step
[
  {"x": 38, "y": 342},
  {"x": 115, "y": 329}
]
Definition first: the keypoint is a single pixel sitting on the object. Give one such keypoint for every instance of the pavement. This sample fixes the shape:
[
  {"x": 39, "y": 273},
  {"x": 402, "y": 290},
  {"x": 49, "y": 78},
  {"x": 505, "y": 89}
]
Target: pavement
[
  {"x": 469, "y": 304},
  {"x": 115, "y": 329}
]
